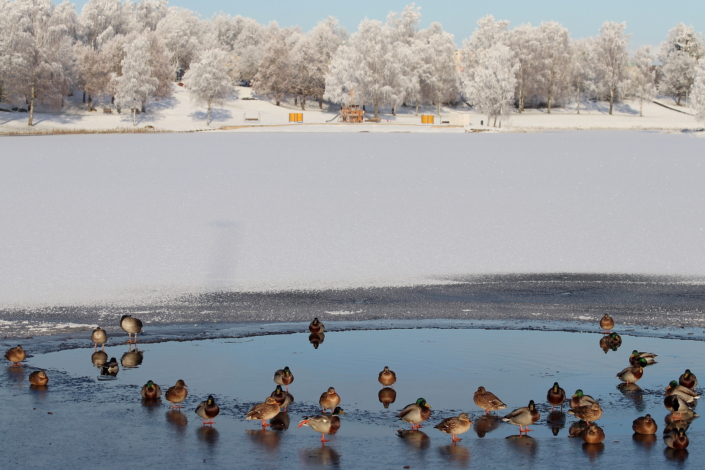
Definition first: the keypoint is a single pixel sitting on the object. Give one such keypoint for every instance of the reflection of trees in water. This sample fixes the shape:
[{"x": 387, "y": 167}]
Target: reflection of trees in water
[
  {"x": 485, "y": 424},
  {"x": 324, "y": 456},
  {"x": 455, "y": 454}
]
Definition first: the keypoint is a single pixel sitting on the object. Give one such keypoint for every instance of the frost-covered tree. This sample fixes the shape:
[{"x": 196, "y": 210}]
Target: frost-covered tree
[
  {"x": 103, "y": 19},
  {"x": 679, "y": 55},
  {"x": 136, "y": 83},
  {"x": 699, "y": 91},
  {"x": 162, "y": 69},
  {"x": 180, "y": 31},
  {"x": 612, "y": 60},
  {"x": 208, "y": 80},
  {"x": 94, "y": 73},
  {"x": 151, "y": 12},
  {"x": 321, "y": 45},
  {"x": 487, "y": 34},
  {"x": 553, "y": 62},
  {"x": 582, "y": 72},
  {"x": 439, "y": 78},
  {"x": 523, "y": 41},
  {"x": 644, "y": 76},
  {"x": 42, "y": 51},
  {"x": 274, "y": 77},
  {"x": 491, "y": 89},
  {"x": 249, "y": 46}
]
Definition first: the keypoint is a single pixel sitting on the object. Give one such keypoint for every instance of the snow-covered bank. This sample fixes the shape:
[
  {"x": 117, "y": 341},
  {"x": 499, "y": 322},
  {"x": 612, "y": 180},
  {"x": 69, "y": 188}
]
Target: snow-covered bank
[
  {"x": 144, "y": 219},
  {"x": 179, "y": 114}
]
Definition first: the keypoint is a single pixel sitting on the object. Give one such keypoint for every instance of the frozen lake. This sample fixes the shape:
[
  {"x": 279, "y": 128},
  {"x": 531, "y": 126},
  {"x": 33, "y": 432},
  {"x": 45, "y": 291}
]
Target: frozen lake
[
  {"x": 144, "y": 219},
  {"x": 78, "y": 417}
]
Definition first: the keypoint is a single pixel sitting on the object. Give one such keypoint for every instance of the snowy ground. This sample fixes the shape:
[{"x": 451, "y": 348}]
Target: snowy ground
[{"x": 180, "y": 114}]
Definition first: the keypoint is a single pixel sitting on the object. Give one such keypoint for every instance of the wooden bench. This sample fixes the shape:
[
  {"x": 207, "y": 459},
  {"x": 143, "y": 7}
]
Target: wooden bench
[{"x": 107, "y": 111}]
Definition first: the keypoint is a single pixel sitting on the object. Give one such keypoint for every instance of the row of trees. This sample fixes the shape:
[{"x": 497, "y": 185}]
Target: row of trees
[{"x": 129, "y": 53}]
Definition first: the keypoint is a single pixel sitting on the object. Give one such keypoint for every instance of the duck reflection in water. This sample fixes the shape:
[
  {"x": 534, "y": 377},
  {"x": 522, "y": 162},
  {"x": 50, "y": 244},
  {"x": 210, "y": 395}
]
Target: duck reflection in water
[
  {"x": 99, "y": 358},
  {"x": 610, "y": 343},
  {"x": 208, "y": 434},
  {"x": 280, "y": 422},
  {"x": 416, "y": 439},
  {"x": 485, "y": 424},
  {"x": 266, "y": 438},
  {"x": 132, "y": 358},
  {"x": 178, "y": 420},
  {"x": 634, "y": 393},
  {"x": 523, "y": 444},
  {"x": 593, "y": 451},
  {"x": 323, "y": 456},
  {"x": 455, "y": 454},
  {"x": 556, "y": 421},
  {"x": 16, "y": 375},
  {"x": 676, "y": 455},
  {"x": 387, "y": 396},
  {"x": 316, "y": 339},
  {"x": 645, "y": 441}
]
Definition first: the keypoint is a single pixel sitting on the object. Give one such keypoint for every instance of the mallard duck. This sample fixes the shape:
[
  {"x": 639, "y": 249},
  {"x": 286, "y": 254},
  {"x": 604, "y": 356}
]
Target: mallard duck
[
  {"x": 15, "y": 356},
  {"x": 207, "y": 410},
  {"x": 131, "y": 326},
  {"x": 488, "y": 401},
  {"x": 577, "y": 429},
  {"x": 594, "y": 434},
  {"x": 99, "y": 336},
  {"x": 645, "y": 425},
  {"x": 132, "y": 359},
  {"x": 264, "y": 411},
  {"x": 324, "y": 423},
  {"x": 523, "y": 417},
  {"x": 587, "y": 413},
  {"x": 688, "y": 380},
  {"x": 455, "y": 425},
  {"x": 631, "y": 374},
  {"x": 676, "y": 439},
  {"x": 151, "y": 391},
  {"x": 282, "y": 397},
  {"x": 580, "y": 399},
  {"x": 676, "y": 405},
  {"x": 283, "y": 377},
  {"x": 648, "y": 358},
  {"x": 415, "y": 413},
  {"x": 387, "y": 396},
  {"x": 387, "y": 377},
  {"x": 606, "y": 323},
  {"x": 686, "y": 394},
  {"x": 316, "y": 327},
  {"x": 38, "y": 378},
  {"x": 110, "y": 368},
  {"x": 556, "y": 396},
  {"x": 329, "y": 400},
  {"x": 316, "y": 339},
  {"x": 177, "y": 394}
]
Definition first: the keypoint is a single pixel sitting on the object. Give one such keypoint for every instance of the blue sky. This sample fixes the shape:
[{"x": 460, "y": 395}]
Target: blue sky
[{"x": 647, "y": 20}]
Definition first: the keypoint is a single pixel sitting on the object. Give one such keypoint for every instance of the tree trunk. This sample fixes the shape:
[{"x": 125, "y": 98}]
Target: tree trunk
[
  {"x": 31, "y": 104},
  {"x": 90, "y": 102},
  {"x": 578, "y": 100},
  {"x": 679, "y": 100},
  {"x": 144, "y": 104},
  {"x": 296, "y": 99},
  {"x": 641, "y": 106},
  {"x": 320, "y": 102},
  {"x": 84, "y": 96},
  {"x": 417, "y": 107},
  {"x": 208, "y": 119},
  {"x": 394, "y": 110},
  {"x": 550, "y": 100},
  {"x": 438, "y": 107},
  {"x": 303, "y": 102},
  {"x": 134, "y": 112},
  {"x": 376, "y": 104},
  {"x": 488, "y": 119},
  {"x": 611, "y": 100}
]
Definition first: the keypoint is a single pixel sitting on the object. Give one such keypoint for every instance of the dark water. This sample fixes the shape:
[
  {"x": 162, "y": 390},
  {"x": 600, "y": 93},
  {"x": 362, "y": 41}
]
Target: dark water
[
  {"x": 637, "y": 300},
  {"x": 103, "y": 423}
]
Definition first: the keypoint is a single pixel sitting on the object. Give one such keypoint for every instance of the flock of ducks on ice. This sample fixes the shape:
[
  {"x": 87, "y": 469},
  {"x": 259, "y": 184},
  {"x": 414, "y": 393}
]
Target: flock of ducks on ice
[{"x": 679, "y": 398}]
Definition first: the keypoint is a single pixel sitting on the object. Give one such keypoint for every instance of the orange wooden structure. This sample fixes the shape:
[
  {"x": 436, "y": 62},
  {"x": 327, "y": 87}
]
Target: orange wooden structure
[{"x": 351, "y": 113}]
